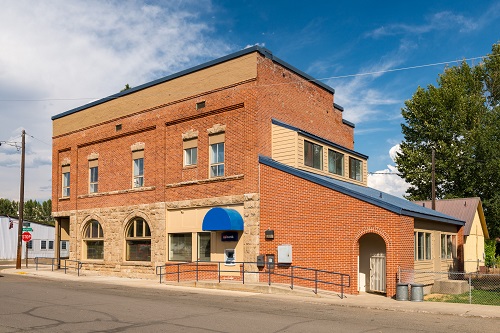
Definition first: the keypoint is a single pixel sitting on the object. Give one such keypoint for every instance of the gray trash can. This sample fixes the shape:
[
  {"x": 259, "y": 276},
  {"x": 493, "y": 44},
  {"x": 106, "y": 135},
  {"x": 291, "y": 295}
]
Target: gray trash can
[
  {"x": 417, "y": 292},
  {"x": 402, "y": 291}
]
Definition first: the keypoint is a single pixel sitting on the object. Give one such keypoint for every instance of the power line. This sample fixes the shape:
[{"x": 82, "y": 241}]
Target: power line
[{"x": 312, "y": 80}]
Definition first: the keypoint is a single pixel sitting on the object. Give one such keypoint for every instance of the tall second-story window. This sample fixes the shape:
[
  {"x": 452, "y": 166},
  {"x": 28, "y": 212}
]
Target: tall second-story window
[
  {"x": 313, "y": 155},
  {"x": 190, "y": 152},
  {"x": 335, "y": 162},
  {"x": 355, "y": 169},
  {"x": 65, "y": 181},
  {"x": 217, "y": 155},
  {"x": 138, "y": 168},
  {"x": 93, "y": 176}
]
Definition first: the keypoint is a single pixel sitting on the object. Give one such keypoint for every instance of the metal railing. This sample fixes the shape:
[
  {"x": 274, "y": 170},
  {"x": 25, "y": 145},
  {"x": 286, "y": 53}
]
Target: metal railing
[
  {"x": 65, "y": 264},
  {"x": 188, "y": 271},
  {"x": 455, "y": 287}
]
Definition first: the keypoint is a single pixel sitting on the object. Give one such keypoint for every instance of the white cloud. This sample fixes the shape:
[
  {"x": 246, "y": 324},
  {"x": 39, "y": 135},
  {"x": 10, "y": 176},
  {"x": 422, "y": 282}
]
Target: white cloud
[
  {"x": 387, "y": 180},
  {"x": 63, "y": 54},
  {"x": 441, "y": 21}
]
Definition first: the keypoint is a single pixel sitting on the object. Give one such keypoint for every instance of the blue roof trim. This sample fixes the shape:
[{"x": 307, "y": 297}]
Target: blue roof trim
[
  {"x": 265, "y": 52},
  {"x": 348, "y": 123},
  {"x": 375, "y": 197},
  {"x": 317, "y": 138},
  {"x": 338, "y": 107},
  {"x": 222, "y": 219}
]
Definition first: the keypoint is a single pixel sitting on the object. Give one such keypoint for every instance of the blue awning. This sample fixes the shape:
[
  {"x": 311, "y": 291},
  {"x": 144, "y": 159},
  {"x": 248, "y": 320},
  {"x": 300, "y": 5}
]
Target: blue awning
[{"x": 222, "y": 219}]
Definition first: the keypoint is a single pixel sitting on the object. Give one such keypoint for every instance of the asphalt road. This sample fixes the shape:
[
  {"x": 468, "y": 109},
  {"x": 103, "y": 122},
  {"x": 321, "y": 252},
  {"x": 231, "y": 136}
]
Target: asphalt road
[{"x": 30, "y": 304}]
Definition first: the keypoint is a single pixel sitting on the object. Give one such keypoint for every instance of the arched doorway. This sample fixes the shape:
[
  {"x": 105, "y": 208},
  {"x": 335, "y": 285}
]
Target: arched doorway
[{"x": 372, "y": 263}]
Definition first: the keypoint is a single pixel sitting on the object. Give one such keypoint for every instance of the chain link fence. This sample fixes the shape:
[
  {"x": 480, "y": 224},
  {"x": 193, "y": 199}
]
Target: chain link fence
[{"x": 455, "y": 287}]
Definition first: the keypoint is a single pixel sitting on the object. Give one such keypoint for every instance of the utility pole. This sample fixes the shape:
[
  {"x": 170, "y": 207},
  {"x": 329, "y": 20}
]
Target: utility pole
[
  {"x": 21, "y": 210},
  {"x": 433, "y": 180}
]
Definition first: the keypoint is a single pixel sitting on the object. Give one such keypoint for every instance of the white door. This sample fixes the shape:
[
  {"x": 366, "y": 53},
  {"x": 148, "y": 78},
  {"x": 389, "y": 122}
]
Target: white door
[{"x": 377, "y": 273}]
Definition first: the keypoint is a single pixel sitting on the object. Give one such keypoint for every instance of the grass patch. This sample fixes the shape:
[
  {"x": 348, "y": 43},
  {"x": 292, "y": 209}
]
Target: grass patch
[{"x": 478, "y": 297}]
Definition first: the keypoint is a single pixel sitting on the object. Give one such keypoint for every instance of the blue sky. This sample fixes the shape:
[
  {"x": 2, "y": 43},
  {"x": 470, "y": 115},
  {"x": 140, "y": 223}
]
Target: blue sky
[{"x": 57, "y": 55}]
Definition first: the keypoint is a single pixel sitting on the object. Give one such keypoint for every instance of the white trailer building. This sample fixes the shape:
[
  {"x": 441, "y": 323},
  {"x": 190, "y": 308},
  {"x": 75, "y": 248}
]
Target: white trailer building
[{"x": 40, "y": 245}]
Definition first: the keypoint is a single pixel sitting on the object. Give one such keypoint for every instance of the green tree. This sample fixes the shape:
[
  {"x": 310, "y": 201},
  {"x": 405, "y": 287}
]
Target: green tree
[
  {"x": 127, "y": 87},
  {"x": 460, "y": 119},
  {"x": 8, "y": 208}
]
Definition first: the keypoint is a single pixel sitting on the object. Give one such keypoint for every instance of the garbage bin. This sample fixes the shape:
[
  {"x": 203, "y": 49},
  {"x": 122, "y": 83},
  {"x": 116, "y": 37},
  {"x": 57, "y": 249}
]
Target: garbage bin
[
  {"x": 402, "y": 291},
  {"x": 417, "y": 292}
]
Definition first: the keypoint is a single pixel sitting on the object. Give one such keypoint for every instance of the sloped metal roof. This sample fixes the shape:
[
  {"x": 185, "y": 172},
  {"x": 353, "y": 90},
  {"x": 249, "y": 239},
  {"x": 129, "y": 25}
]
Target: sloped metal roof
[{"x": 462, "y": 208}]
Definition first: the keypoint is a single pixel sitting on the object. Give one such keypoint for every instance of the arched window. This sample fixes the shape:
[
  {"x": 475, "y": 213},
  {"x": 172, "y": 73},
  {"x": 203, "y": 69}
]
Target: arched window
[
  {"x": 138, "y": 240},
  {"x": 93, "y": 240}
]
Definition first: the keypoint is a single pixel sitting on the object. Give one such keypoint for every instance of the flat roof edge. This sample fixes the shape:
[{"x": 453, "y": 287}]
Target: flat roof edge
[{"x": 263, "y": 51}]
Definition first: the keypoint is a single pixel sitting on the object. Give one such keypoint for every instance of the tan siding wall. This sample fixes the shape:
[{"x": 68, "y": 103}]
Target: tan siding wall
[
  {"x": 209, "y": 79},
  {"x": 324, "y": 170},
  {"x": 284, "y": 147},
  {"x": 474, "y": 246}
]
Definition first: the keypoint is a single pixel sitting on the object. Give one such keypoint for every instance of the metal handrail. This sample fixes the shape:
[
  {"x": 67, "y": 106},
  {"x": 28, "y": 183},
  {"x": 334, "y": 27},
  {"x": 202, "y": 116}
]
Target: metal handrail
[
  {"x": 52, "y": 262},
  {"x": 194, "y": 267},
  {"x": 78, "y": 265}
]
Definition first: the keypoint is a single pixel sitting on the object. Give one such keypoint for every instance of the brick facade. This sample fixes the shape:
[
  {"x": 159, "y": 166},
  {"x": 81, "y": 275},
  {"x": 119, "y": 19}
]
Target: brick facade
[{"x": 241, "y": 95}]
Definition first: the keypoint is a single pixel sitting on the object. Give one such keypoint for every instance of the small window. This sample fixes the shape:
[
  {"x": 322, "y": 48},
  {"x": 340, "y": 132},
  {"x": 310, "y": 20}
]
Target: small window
[
  {"x": 93, "y": 238},
  {"x": 423, "y": 245},
  {"x": 94, "y": 178},
  {"x": 217, "y": 159},
  {"x": 200, "y": 105},
  {"x": 335, "y": 162},
  {"x": 313, "y": 155},
  {"x": 138, "y": 240},
  {"x": 43, "y": 245},
  {"x": 355, "y": 169},
  {"x": 204, "y": 246},
  {"x": 118, "y": 127},
  {"x": 29, "y": 245},
  {"x": 180, "y": 247},
  {"x": 448, "y": 246},
  {"x": 51, "y": 245},
  {"x": 65, "y": 181},
  {"x": 190, "y": 152},
  {"x": 64, "y": 245},
  {"x": 138, "y": 180}
]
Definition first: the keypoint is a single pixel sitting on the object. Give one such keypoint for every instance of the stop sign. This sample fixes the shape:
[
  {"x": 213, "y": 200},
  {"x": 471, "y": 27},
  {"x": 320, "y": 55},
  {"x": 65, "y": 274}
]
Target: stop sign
[{"x": 26, "y": 236}]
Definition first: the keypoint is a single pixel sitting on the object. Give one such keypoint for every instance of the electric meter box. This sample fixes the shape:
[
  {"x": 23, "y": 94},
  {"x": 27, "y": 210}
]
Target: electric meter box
[{"x": 284, "y": 254}]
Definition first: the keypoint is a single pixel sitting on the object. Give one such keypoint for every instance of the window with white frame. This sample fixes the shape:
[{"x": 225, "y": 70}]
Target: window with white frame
[
  {"x": 217, "y": 155},
  {"x": 180, "y": 247},
  {"x": 423, "y": 245},
  {"x": 29, "y": 245},
  {"x": 65, "y": 181},
  {"x": 313, "y": 155},
  {"x": 204, "y": 246},
  {"x": 190, "y": 152},
  {"x": 51, "y": 245},
  {"x": 93, "y": 176},
  {"x": 43, "y": 245},
  {"x": 448, "y": 246},
  {"x": 93, "y": 239},
  {"x": 138, "y": 240},
  {"x": 335, "y": 162},
  {"x": 138, "y": 168},
  {"x": 355, "y": 169}
]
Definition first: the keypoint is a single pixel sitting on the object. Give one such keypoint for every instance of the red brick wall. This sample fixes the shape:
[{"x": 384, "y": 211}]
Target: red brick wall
[
  {"x": 289, "y": 98},
  {"x": 324, "y": 226}
]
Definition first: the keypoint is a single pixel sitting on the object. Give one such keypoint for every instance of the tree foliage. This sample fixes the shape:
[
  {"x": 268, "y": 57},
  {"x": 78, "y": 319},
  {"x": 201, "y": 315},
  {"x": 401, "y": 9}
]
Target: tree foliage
[
  {"x": 33, "y": 210},
  {"x": 460, "y": 119}
]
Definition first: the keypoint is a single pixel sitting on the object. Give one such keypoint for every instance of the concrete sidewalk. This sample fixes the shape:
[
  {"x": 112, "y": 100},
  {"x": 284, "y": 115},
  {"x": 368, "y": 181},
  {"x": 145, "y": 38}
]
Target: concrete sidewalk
[{"x": 364, "y": 300}]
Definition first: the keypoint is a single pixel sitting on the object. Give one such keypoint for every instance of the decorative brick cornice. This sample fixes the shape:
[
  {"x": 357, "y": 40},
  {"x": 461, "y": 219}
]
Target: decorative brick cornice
[
  {"x": 93, "y": 156},
  {"x": 191, "y": 134},
  {"x": 217, "y": 128},
  {"x": 130, "y": 190},
  {"x": 66, "y": 161},
  {"x": 137, "y": 146},
  {"x": 205, "y": 181}
]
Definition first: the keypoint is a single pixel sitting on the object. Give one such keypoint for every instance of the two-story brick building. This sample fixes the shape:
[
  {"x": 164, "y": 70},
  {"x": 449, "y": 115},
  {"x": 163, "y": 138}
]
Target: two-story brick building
[{"x": 198, "y": 165}]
